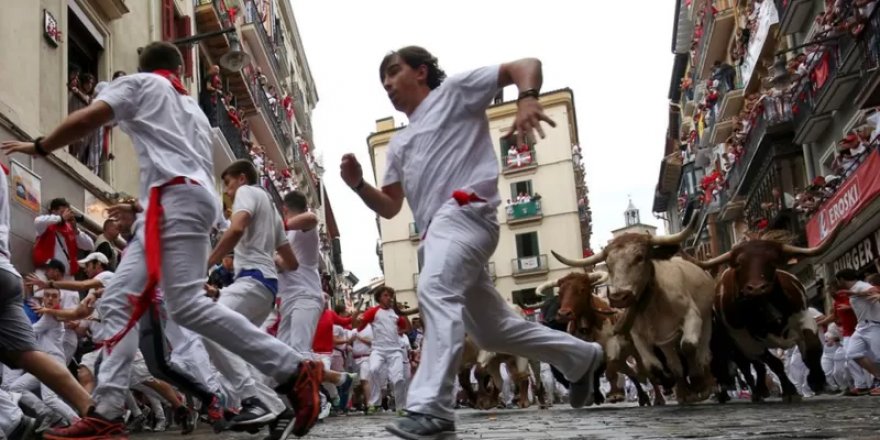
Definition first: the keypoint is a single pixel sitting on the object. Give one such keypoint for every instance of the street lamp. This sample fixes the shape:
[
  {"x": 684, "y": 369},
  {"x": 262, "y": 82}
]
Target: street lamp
[{"x": 233, "y": 60}]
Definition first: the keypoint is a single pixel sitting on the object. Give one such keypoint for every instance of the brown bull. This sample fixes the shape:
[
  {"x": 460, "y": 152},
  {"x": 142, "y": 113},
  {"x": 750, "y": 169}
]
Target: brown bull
[
  {"x": 669, "y": 306},
  {"x": 762, "y": 307},
  {"x": 591, "y": 318},
  {"x": 487, "y": 370}
]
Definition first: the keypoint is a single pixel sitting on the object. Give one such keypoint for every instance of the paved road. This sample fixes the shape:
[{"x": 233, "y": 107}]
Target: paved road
[{"x": 816, "y": 418}]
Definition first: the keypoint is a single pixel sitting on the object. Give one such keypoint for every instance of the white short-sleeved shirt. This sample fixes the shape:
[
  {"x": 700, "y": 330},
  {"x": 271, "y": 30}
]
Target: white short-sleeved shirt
[
  {"x": 50, "y": 333},
  {"x": 5, "y": 263},
  {"x": 170, "y": 133},
  {"x": 306, "y": 278},
  {"x": 865, "y": 309},
  {"x": 447, "y": 146},
  {"x": 256, "y": 249},
  {"x": 359, "y": 348}
]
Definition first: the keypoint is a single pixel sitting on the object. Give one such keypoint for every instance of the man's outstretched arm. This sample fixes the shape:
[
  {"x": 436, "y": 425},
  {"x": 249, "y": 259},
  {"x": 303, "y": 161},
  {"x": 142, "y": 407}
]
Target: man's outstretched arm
[
  {"x": 385, "y": 202},
  {"x": 74, "y": 127}
]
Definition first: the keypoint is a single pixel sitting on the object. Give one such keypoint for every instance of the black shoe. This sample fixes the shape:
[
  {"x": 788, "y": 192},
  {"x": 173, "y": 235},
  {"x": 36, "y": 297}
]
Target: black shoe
[
  {"x": 253, "y": 413},
  {"x": 282, "y": 426},
  {"x": 186, "y": 418},
  {"x": 26, "y": 429},
  {"x": 415, "y": 426}
]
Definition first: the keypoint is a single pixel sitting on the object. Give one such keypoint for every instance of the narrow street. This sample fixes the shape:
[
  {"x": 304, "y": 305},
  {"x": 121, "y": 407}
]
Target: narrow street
[{"x": 825, "y": 417}]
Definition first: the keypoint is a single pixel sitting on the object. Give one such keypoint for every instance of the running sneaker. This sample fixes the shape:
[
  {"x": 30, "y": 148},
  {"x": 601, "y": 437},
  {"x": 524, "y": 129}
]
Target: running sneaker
[
  {"x": 282, "y": 426},
  {"x": 253, "y": 412},
  {"x": 302, "y": 391},
  {"x": 91, "y": 426},
  {"x": 581, "y": 392},
  {"x": 186, "y": 418},
  {"x": 415, "y": 426}
]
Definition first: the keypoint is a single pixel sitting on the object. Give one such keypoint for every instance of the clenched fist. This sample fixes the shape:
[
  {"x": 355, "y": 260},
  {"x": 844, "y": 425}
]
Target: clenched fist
[{"x": 351, "y": 171}]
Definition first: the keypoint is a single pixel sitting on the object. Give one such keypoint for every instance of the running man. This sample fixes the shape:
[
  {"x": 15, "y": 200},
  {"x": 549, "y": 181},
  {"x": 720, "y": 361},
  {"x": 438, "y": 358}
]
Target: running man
[{"x": 455, "y": 204}]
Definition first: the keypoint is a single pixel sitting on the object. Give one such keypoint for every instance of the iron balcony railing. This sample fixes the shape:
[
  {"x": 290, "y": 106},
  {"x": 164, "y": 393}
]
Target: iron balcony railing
[
  {"x": 230, "y": 131},
  {"x": 529, "y": 265},
  {"x": 252, "y": 17},
  {"x": 275, "y": 115}
]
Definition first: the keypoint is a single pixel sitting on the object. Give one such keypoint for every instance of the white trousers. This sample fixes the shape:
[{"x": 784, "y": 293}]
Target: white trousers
[
  {"x": 254, "y": 301},
  {"x": 797, "y": 372},
  {"x": 30, "y": 384},
  {"x": 189, "y": 357},
  {"x": 457, "y": 295},
  {"x": 387, "y": 366},
  {"x": 190, "y": 212},
  {"x": 10, "y": 414},
  {"x": 828, "y": 369},
  {"x": 155, "y": 401},
  {"x": 859, "y": 377},
  {"x": 299, "y": 313}
]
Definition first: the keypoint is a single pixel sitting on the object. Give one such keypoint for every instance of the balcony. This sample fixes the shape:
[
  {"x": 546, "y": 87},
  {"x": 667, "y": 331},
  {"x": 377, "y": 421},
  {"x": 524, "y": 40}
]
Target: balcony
[
  {"x": 776, "y": 118},
  {"x": 716, "y": 36},
  {"x": 254, "y": 32},
  {"x": 519, "y": 213},
  {"x": 794, "y": 15},
  {"x": 519, "y": 162},
  {"x": 230, "y": 132},
  {"x": 212, "y": 17},
  {"x": 270, "y": 125},
  {"x": 530, "y": 266},
  {"x": 731, "y": 104},
  {"x": 112, "y": 9},
  {"x": 491, "y": 269},
  {"x": 834, "y": 91},
  {"x": 414, "y": 234},
  {"x": 763, "y": 209}
]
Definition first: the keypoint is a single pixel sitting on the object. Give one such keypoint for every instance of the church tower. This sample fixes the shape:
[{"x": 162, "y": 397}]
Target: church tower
[{"x": 633, "y": 223}]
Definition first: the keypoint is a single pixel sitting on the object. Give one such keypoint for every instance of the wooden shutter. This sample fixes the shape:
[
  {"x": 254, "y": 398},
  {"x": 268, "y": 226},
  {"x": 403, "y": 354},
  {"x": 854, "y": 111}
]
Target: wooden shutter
[
  {"x": 168, "y": 32},
  {"x": 184, "y": 29}
]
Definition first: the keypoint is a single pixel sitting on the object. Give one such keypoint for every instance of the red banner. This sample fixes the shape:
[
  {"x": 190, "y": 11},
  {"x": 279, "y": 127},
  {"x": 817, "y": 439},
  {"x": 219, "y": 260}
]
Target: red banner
[{"x": 854, "y": 194}]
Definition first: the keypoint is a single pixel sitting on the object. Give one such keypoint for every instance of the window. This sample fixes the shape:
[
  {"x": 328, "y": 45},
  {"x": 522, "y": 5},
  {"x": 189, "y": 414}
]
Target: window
[
  {"x": 175, "y": 26},
  {"x": 507, "y": 141},
  {"x": 527, "y": 245},
  {"x": 84, "y": 51},
  {"x": 518, "y": 188}
]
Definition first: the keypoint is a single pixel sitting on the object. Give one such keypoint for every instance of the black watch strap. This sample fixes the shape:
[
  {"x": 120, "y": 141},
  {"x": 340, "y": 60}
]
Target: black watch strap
[
  {"x": 38, "y": 146},
  {"x": 359, "y": 186},
  {"x": 528, "y": 93}
]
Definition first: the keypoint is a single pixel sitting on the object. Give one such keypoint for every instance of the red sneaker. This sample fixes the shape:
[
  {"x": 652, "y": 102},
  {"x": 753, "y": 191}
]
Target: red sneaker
[
  {"x": 90, "y": 427},
  {"x": 304, "y": 397}
]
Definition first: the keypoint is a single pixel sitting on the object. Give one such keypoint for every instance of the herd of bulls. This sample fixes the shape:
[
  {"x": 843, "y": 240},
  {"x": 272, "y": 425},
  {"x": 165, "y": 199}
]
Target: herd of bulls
[{"x": 687, "y": 331}]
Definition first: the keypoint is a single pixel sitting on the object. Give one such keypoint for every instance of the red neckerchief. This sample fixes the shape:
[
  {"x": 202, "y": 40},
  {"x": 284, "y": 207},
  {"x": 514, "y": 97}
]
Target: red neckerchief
[
  {"x": 175, "y": 81},
  {"x": 5, "y": 170}
]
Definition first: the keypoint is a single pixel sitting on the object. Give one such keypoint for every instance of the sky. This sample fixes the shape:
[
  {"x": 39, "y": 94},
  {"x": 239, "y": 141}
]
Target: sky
[{"x": 615, "y": 56}]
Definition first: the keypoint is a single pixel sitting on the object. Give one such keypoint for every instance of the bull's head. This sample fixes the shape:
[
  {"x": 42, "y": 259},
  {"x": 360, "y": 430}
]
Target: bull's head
[
  {"x": 756, "y": 261},
  {"x": 575, "y": 294},
  {"x": 628, "y": 259}
]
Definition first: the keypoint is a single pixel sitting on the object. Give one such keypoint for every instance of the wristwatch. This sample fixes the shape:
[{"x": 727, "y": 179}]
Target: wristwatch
[{"x": 528, "y": 93}]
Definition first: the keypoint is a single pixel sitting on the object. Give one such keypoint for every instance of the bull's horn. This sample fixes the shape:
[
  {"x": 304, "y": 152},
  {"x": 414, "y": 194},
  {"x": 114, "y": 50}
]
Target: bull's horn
[
  {"x": 549, "y": 285},
  {"x": 598, "y": 277},
  {"x": 678, "y": 238},
  {"x": 813, "y": 251},
  {"x": 412, "y": 311},
  {"x": 708, "y": 264},
  {"x": 536, "y": 305},
  {"x": 592, "y": 260}
]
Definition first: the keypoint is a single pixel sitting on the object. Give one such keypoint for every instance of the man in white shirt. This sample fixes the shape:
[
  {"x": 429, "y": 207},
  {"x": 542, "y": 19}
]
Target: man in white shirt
[
  {"x": 171, "y": 137},
  {"x": 361, "y": 347},
  {"x": 54, "y": 272},
  {"x": 18, "y": 345},
  {"x": 59, "y": 237},
  {"x": 386, "y": 358},
  {"x": 455, "y": 204},
  {"x": 864, "y": 344},
  {"x": 255, "y": 234}
]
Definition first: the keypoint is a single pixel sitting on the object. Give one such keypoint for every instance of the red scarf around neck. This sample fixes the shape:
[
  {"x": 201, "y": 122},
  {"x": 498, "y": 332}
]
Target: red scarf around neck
[{"x": 172, "y": 77}]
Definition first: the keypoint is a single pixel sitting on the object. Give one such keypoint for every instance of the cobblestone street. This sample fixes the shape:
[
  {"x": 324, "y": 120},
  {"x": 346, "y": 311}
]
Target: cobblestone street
[{"x": 815, "y": 418}]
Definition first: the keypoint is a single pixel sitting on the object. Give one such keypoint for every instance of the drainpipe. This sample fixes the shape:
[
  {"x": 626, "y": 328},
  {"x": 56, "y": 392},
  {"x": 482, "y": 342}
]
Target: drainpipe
[{"x": 808, "y": 162}]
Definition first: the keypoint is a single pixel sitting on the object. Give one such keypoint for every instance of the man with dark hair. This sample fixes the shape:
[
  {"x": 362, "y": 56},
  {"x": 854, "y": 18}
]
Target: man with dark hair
[
  {"x": 456, "y": 206},
  {"x": 106, "y": 242},
  {"x": 864, "y": 344},
  {"x": 171, "y": 137},
  {"x": 59, "y": 237},
  {"x": 386, "y": 358},
  {"x": 255, "y": 234}
]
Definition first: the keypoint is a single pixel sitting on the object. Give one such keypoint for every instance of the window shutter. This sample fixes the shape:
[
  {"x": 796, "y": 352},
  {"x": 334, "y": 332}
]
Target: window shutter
[
  {"x": 184, "y": 29},
  {"x": 533, "y": 243},
  {"x": 168, "y": 20}
]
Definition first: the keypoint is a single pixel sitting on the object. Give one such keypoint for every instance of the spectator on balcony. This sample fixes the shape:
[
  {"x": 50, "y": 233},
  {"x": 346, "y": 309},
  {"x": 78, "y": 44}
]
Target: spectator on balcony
[
  {"x": 261, "y": 79},
  {"x": 849, "y": 150},
  {"x": 272, "y": 97},
  {"x": 246, "y": 133},
  {"x": 210, "y": 94},
  {"x": 725, "y": 74},
  {"x": 80, "y": 96}
]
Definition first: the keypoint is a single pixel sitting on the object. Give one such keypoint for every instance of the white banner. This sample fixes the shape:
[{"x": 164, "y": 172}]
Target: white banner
[
  {"x": 529, "y": 263},
  {"x": 767, "y": 16}
]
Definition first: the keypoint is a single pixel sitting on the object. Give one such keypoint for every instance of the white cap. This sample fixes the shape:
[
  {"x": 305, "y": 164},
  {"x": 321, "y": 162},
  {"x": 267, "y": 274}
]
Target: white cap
[{"x": 95, "y": 256}]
